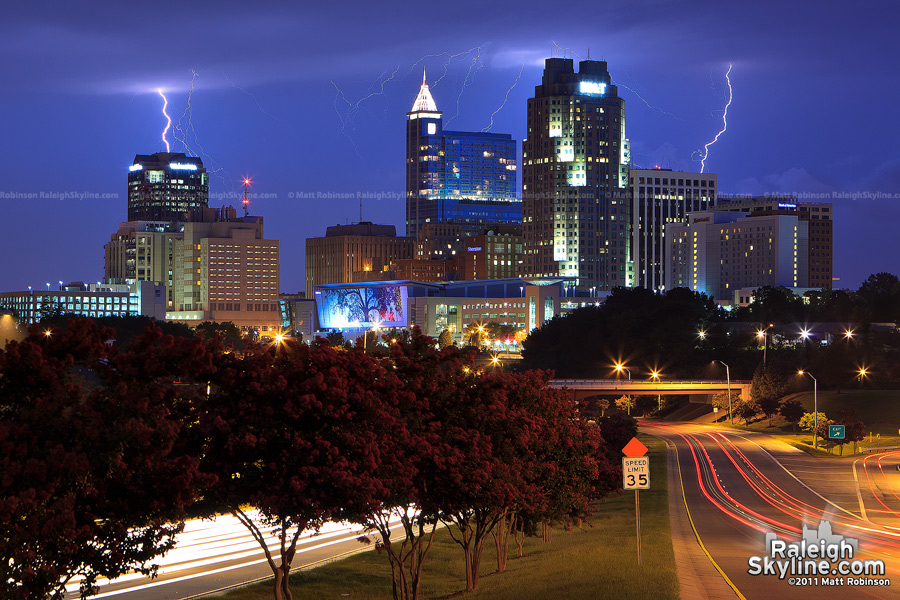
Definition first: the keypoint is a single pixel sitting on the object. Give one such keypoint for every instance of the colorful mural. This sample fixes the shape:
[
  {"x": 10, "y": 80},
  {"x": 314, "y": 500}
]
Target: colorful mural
[{"x": 340, "y": 308}]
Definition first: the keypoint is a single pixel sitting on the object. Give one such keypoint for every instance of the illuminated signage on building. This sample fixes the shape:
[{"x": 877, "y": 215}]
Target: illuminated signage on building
[
  {"x": 474, "y": 248},
  {"x": 182, "y": 166},
  {"x": 595, "y": 88}
]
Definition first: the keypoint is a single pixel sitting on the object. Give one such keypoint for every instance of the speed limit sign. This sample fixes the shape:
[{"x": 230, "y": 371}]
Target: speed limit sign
[{"x": 636, "y": 472}]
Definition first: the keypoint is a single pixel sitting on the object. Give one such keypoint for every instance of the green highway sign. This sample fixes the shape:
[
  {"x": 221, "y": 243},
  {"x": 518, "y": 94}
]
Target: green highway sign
[{"x": 836, "y": 432}]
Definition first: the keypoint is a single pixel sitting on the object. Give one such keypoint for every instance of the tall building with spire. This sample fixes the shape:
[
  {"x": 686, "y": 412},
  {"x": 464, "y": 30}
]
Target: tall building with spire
[
  {"x": 576, "y": 214},
  {"x": 461, "y": 177}
]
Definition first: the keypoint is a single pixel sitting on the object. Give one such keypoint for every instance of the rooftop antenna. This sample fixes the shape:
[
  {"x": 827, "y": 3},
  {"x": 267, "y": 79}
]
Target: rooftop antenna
[
  {"x": 589, "y": 53},
  {"x": 423, "y": 75},
  {"x": 246, "y": 200}
]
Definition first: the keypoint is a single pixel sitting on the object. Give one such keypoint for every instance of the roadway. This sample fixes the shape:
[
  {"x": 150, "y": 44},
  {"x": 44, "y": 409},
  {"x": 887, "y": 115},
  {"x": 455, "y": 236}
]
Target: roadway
[
  {"x": 216, "y": 554},
  {"x": 736, "y": 492}
]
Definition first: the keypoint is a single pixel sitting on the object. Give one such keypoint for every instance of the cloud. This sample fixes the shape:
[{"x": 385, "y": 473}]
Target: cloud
[{"x": 795, "y": 180}]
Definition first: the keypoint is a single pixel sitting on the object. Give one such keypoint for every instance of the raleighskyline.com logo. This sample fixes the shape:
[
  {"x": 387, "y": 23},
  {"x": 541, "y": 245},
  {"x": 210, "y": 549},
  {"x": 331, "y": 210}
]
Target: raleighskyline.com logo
[{"x": 820, "y": 557}]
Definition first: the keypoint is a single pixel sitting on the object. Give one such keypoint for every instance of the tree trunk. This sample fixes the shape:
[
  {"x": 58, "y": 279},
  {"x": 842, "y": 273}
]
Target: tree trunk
[
  {"x": 407, "y": 559},
  {"x": 287, "y": 548},
  {"x": 501, "y": 532},
  {"x": 546, "y": 531}
]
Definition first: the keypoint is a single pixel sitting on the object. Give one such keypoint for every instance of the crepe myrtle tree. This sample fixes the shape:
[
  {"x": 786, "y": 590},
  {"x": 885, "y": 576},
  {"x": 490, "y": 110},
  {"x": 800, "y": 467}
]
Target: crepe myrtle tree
[
  {"x": 93, "y": 481},
  {"x": 294, "y": 432},
  {"x": 430, "y": 379}
]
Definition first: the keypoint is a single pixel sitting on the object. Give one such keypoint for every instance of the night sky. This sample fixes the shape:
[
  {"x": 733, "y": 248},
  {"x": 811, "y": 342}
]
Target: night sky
[{"x": 313, "y": 100}]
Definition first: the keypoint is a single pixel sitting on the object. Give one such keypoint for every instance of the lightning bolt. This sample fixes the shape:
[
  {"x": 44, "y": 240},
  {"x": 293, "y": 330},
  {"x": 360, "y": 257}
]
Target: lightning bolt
[
  {"x": 258, "y": 105},
  {"x": 477, "y": 66},
  {"x": 166, "y": 115},
  {"x": 564, "y": 50},
  {"x": 189, "y": 113},
  {"x": 724, "y": 121},
  {"x": 491, "y": 125},
  {"x": 650, "y": 106}
]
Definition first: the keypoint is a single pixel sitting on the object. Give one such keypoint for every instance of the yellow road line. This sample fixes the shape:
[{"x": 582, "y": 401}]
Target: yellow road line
[{"x": 697, "y": 534}]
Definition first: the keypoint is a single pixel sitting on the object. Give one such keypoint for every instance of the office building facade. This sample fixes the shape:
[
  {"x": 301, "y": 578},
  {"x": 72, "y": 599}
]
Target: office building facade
[
  {"x": 576, "y": 214},
  {"x": 461, "y": 177},
  {"x": 818, "y": 215},
  {"x": 721, "y": 252},
  {"x": 348, "y": 249},
  {"x": 166, "y": 186},
  {"x": 93, "y": 300},
  {"x": 660, "y": 197},
  {"x": 225, "y": 270}
]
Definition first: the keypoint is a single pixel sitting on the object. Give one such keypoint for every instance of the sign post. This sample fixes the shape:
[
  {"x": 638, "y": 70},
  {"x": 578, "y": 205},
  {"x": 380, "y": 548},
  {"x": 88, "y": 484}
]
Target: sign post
[{"x": 636, "y": 476}]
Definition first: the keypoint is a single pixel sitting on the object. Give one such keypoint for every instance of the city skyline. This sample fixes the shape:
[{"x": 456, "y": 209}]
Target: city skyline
[{"x": 811, "y": 112}]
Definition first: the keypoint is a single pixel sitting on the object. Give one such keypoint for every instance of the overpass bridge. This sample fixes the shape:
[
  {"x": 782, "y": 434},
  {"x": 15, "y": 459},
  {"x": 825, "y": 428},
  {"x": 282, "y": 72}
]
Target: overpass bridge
[{"x": 585, "y": 388}]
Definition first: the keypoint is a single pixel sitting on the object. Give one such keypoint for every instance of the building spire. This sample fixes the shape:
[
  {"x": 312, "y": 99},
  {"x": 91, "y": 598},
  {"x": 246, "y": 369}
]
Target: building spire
[{"x": 424, "y": 102}]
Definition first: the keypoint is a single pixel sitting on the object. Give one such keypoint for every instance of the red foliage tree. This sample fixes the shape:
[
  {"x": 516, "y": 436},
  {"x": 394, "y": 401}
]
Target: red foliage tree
[
  {"x": 294, "y": 431},
  {"x": 428, "y": 378},
  {"x": 92, "y": 483}
]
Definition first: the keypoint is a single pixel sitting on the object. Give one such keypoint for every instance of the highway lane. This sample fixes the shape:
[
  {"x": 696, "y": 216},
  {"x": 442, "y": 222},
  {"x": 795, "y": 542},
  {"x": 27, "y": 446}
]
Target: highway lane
[
  {"x": 737, "y": 492},
  {"x": 215, "y": 554}
]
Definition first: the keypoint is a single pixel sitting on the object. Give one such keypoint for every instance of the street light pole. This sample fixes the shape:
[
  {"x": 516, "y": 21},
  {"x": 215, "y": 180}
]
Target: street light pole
[
  {"x": 728, "y": 378},
  {"x": 815, "y": 409},
  {"x": 620, "y": 367}
]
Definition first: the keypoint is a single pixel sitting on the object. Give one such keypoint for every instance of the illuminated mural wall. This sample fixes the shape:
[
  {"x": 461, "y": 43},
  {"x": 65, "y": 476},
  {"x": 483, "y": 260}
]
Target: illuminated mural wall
[{"x": 363, "y": 306}]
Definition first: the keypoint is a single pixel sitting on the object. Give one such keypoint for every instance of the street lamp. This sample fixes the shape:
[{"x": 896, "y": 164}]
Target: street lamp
[
  {"x": 764, "y": 334},
  {"x": 862, "y": 373},
  {"x": 619, "y": 368},
  {"x": 655, "y": 375},
  {"x": 728, "y": 377},
  {"x": 815, "y": 408}
]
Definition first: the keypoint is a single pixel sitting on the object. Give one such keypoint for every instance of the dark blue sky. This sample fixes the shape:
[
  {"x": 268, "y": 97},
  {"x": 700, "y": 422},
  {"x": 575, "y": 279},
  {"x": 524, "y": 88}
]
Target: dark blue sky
[{"x": 313, "y": 100}]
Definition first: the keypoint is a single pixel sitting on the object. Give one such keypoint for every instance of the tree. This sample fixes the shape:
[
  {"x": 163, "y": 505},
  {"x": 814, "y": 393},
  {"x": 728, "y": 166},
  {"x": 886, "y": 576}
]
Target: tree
[
  {"x": 776, "y": 305},
  {"x": 445, "y": 339},
  {"x": 94, "y": 481},
  {"x": 854, "y": 429},
  {"x": 792, "y": 411},
  {"x": 227, "y": 331},
  {"x": 817, "y": 423},
  {"x": 746, "y": 410},
  {"x": 297, "y": 435},
  {"x": 428, "y": 378},
  {"x": 514, "y": 445},
  {"x": 879, "y": 297},
  {"x": 721, "y": 402},
  {"x": 335, "y": 339}
]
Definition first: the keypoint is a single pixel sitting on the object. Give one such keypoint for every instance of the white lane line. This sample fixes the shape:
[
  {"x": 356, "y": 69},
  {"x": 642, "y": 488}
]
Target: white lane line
[
  {"x": 862, "y": 506},
  {"x": 220, "y": 570}
]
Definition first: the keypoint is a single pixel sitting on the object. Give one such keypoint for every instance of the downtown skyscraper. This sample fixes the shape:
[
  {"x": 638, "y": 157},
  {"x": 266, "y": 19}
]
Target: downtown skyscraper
[
  {"x": 576, "y": 211},
  {"x": 167, "y": 186},
  {"x": 466, "y": 178}
]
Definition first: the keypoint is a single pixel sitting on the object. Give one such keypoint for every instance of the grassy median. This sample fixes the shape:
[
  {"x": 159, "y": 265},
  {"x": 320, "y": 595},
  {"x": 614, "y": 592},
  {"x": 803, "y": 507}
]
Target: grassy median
[{"x": 597, "y": 560}]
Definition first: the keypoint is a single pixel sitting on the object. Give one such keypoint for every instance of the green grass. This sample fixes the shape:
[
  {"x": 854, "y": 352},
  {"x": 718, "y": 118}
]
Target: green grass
[
  {"x": 597, "y": 560},
  {"x": 878, "y": 409}
]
